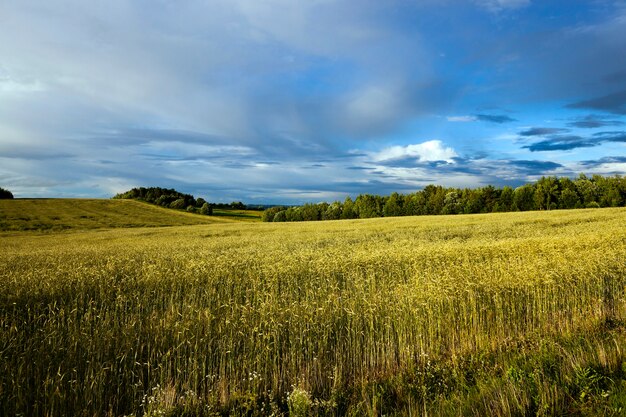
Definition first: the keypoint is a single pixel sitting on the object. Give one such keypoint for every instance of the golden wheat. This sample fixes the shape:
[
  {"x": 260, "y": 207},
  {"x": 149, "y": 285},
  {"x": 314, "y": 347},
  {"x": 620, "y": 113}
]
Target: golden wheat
[{"x": 307, "y": 317}]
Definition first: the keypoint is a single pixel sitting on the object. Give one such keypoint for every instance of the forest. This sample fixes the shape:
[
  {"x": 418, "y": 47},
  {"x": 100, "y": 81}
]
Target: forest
[
  {"x": 548, "y": 193},
  {"x": 170, "y": 198}
]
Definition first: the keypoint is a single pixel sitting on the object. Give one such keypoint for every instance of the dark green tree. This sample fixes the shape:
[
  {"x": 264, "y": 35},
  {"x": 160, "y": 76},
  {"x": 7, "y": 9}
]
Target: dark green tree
[
  {"x": 367, "y": 206},
  {"x": 5, "y": 194},
  {"x": 268, "y": 214},
  {"x": 280, "y": 216},
  {"x": 506, "y": 199},
  {"x": 490, "y": 196},
  {"x": 332, "y": 212},
  {"x": 569, "y": 199},
  {"x": 393, "y": 205},
  {"x": 415, "y": 204},
  {"x": 546, "y": 193},
  {"x": 347, "y": 211},
  {"x": 178, "y": 204},
  {"x": 452, "y": 203},
  {"x": 474, "y": 201},
  {"x": 206, "y": 209},
  {"x": 524, "y": 198},
  {"x": 586, "y": 189},
  {"x": 434, "y": 196}
]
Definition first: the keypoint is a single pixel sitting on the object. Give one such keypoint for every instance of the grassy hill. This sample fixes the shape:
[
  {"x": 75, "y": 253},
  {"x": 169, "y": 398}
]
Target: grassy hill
[{"x": 65, "y": 214}]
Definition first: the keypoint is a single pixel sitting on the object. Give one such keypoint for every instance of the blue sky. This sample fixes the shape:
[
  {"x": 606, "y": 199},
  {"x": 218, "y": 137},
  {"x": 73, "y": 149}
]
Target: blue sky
[{"x": 289, "y": 101}]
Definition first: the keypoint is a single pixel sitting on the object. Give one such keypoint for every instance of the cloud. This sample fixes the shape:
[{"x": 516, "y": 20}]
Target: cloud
[
  {"x": 604, "y": 160},
  {"x": 532, "y": 166},
  {"x": 246, "y": 97},
  {"x": 500, "y": 5},
  {"x": 566, "y": 143},
  {"x": 430, "y": 151},
  {"x": 461, "y": 119},
  {"x": 12, "y": 85},
  {"x": 494, "y": 118},
  {"x": 611, "y": 103},
  {"x": 610, "y": 136},
  {"x": 542, "y": 131},
  {"x": 594, "y": 121},
  {"x": 360, "y": 168},
  {"x": 374, "y": 108},
  {"x": 491, "y": 118},
  {"x": 557, "y": 59},
  {"x": 561, "y": 143}
]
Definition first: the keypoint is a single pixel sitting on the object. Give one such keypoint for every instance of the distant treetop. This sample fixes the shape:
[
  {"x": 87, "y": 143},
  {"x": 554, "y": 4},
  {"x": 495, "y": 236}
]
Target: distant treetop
[
  {"x": 5, "y": 194},
  {"x": 166, "y": 197},
  {"x": 548, "y": 193}
]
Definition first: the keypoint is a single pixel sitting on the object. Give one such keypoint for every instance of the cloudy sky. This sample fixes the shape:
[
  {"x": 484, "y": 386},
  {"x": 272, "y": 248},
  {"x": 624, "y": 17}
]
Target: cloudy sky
[{"x": 287, "y": 101}]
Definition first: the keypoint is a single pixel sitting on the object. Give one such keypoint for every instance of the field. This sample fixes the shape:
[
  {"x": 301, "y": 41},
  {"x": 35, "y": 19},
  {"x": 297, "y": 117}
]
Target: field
[
  {"x": 247, "y": 215},
  {"x": 58, "y": 215},
  {"x": 500, "y": 314}
]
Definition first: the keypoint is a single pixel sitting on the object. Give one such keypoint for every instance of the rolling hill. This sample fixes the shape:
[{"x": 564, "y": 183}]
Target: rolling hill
[{"x": 85, "y": 214}]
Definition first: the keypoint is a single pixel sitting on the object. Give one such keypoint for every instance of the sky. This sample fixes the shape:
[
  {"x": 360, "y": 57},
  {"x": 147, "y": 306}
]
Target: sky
[{"x": 293, "y": 101}]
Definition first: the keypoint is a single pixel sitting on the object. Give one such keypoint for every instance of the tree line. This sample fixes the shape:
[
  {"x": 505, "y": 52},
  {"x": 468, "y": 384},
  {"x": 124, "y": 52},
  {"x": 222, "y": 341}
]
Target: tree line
[
  {"x": 170, "y": 198},
  {"x": 5, "y": 194},
  {"x": 548, "y": 193}
]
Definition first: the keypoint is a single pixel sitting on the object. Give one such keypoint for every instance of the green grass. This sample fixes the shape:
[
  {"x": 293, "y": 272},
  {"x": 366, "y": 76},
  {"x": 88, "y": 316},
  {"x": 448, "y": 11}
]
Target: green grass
[
  {"x": 511, "y": 314},
  {"x": 247, "y": 215},
  {"x": 67, "y": 214}
]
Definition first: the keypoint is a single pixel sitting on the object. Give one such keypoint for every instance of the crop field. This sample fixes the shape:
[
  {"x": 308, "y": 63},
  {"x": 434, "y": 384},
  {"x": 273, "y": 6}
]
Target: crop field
[
  {"x": 509, "y": 314},
  {"x": 244, "y": 215},
  {"x": 68, "y": 214}
]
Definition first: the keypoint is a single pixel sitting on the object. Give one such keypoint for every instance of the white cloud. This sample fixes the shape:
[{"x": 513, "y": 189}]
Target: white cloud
[
  {"x": 461, "y": 119},
  {"x": 11, "y": 85},
  {"x": 500, "y": 5},
  {"x": 433, "y": 150}
]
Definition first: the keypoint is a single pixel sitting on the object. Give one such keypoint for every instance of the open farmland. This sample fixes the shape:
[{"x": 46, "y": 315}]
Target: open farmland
[
  {"x": 499, "y": 314},
  {"x": 65, "y": 214}
]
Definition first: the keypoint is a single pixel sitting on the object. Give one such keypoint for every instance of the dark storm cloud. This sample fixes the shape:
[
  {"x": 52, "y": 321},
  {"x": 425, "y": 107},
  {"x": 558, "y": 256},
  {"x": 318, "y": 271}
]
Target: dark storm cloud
[
  {"x": 494, "y": 118},
  {"x": 561, "y": 143},
  {"x": 611, "y": 136},
  {"x": 512, "y": 167},
  {"x": 611, "y": 103},
  {"x": 359, "y": 168},
  {"x": 566, "y": 143},
  {"x": 542, "y": 131},
  {"x": 594, "y": 121},
  {"x": 529, "y": 166},
  {"x": 604, "y": 160}
]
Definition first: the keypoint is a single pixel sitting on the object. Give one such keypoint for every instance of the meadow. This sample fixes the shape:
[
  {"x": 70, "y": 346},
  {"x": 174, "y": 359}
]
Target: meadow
[
  {"x": 57, "y": 215},
  {"x": 497, "y": 314},
  {"x": 243, "y": 215}
]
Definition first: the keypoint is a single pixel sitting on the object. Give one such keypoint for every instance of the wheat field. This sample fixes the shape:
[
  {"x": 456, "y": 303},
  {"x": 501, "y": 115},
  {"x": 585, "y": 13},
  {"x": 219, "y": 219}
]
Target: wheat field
[{"x": 498, "y": 314}]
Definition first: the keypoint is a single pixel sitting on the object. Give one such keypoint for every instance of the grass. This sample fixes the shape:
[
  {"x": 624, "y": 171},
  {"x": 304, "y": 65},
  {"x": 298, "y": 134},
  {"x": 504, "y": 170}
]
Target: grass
[
  {"x": 246, "y": 215},
  {"x": 500, "y": 314},
  {"x": 67, "y": 214}
]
